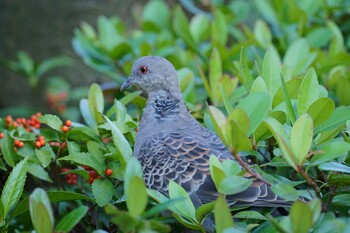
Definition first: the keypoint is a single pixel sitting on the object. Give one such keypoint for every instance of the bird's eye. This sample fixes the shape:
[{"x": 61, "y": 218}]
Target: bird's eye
[{"x": 143, "y": 69}]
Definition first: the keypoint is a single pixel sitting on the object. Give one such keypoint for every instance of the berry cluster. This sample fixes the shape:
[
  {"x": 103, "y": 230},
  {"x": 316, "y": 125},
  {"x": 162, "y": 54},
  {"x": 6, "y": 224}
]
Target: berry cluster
[
  {"x": 40, "y": 142},
  {"x": 28, "y": 124},
  {"x": 70, "y": 178},
  {"x": 66, "y": 126}
]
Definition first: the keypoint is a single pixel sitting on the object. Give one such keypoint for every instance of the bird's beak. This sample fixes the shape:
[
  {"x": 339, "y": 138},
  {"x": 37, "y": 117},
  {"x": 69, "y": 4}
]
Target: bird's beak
[{"x": 127, "y": 83}]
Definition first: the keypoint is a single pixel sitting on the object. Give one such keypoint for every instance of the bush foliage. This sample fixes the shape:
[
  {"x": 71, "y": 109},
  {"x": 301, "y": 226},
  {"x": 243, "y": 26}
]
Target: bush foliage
[{"x": 275, "y": 75}]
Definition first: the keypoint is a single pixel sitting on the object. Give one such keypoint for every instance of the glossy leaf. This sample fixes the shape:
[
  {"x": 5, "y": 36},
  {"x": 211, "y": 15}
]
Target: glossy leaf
[
  {"x": 186, "y": 207},
  {"x": 301, "y": 217},
  {"x": 120, "y": 143},
  {"x": 257, "y": 106},
  {"x": 333, "y": 166},
  {"x": 339, "y": 117},
  {"x": 52, "y": 121},
  {"x": 215, "y": 73},
  {"x": 308, "y": 93},
  {"x": 301, "y": 138},
  {"x": 14, "y": 185},
  {"x": 329, "y": 152},
  {"x": 222, "y": 215},
  {"x": 136, "y": 196},
  {"x": 285, "y": 191},
  {"x": 41, "y": 212},
  {"x": 282, "y": 139},
  {"x": 86, "y": 159},
  {"x": 259, "y": 85},
  {"x": 68, "y": 222},
  {"x": 234, "y": 184},
  {"x": 245, "y": 73},
  {"x": 321, "y": 110},
  {"x": 96, "y": 102},
  {"x": 7, "y": 149},
  {"x": 103, "y": 191},
  {"x": 271, "y": 71}
]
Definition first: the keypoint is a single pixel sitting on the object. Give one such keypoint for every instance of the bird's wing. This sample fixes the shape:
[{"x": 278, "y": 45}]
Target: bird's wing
[
  {"x": 178, "y": 157},
  {"x": 184, "y": 159}
]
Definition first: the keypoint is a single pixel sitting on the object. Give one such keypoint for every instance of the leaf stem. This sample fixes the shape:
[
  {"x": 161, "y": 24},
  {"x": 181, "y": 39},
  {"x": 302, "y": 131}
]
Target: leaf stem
[
  {"x": 245, "y": 166},
  {"x": 310, "y": 181}
]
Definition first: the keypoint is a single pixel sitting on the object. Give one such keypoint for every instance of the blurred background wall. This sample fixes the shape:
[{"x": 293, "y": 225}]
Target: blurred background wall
[{"x": 44, "y": 28}]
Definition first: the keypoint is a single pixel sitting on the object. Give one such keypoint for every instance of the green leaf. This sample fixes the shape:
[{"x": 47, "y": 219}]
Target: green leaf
[
  {"x": 215, "y": 73},
  {"x": 239, "y": 140},
  {"x": 108, "y": 34},
  {"x": 271, "y": 71},
  {"x": 136, "y": 196},
  {"x": 234, "y": 184},
  {"x": 82, "y": 134},
  {"x": 38, "y": 171},
  {"x": 321, "y": 110},
  {"x": 278, "y": 132},
  {"x": 285, "y": 191},
  {"x": 96, "y": 102},
  {"x": 41, "y": 212},
  {"x": 341, "y": 200},
  {"x": 121, "y": 144},
  {"x": 301, "y": 217},
  {"x": 181, "y": 28},
  {"x": 222, "y": 215},
  {"x": 199, "y": 27},
  {"x": 133, "y": 168},
  {"x": 13, "y": 188},
  {"x": 52, "y": 121},
  {"x": 85, "y": 112},
  {"x": 301, "y": 138},
  {"x": 86, "y": 159},
  {"x": 257, "y": 106},
  {"x": 216, "y": 170},
  {"x": 219, "y": 121},
  {"x": 308, "y": 93},
  {"x": 185, "y": 207},
  {"x": 219, "y": 28},
  {"x": 288, "y": 102},
  {"x": 103, "y": 191},
  {"x": 333, "y": 166},
  {"x": 338, "y": 118},
  {"x": 245, "y": 73},
  {"x": 54, "y": 196},
  {"x": 68, "y": 222},
  {"x": 259, "y": 85},
  {"x": 45, "y": 155},
  {"x": 52, "y": 63},
  {"x": 250, "y": 214},
  {"x": 298, "y": 56},
  {"x": 158, "y": 8},
  {"x": 329, "y": 152},
  {"x": 262, "y": 33},
  {"x": 7, "y": 149},
  {"x": 205, "y": 209}
]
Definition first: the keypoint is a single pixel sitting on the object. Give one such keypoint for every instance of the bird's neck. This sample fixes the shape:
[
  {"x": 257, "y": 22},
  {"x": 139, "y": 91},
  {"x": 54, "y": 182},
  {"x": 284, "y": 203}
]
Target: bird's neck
[{"x": 163, "y": 106}]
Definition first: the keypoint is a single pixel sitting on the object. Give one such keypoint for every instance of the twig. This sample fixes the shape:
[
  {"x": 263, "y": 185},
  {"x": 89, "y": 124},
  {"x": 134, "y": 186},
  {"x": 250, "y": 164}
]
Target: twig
[
  {"x": 310, "y": 181},
  {"x": 245, "y": 166}
]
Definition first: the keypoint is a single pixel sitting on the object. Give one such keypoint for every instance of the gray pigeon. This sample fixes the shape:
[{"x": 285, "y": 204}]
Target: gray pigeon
[{"x": 172, "y": 145}]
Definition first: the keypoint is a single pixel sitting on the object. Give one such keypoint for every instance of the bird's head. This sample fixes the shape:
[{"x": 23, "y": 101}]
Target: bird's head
[{"x": 153, "y": 74}]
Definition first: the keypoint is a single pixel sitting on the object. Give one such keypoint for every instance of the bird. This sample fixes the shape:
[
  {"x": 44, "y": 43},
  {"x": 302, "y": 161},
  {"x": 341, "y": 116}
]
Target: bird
[{"x": 172, "y": 145}]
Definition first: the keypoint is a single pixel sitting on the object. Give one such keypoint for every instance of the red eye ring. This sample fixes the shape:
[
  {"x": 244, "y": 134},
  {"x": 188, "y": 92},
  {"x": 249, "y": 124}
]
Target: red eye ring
[{"x": 143, "y": 69}]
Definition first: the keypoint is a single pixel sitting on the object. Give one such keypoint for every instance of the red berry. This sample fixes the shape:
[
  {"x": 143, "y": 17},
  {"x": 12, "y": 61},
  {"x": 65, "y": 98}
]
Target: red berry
[
  {"x": 92, "y": 174},
  {"x": 68, "y": 123},
  {"x": 91, "y": 180},
  {"x": 20, "y": 144},
  {"x": 8, "y": 119},
  {"x": 17, "y": 142},
  {"x": 1, "y": 135},
  {"x": 38, "y": 114},
  {"x": 109, "y": 172},
  {"x": 65, "y": 129},
  {"x": 37, "y": 144}
]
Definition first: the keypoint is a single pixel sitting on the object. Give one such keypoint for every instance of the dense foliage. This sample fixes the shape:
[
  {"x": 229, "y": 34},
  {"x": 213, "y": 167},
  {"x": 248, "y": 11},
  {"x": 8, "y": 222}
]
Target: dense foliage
[{"x": 275, "y": 75}]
